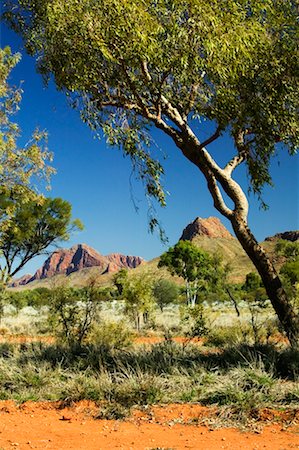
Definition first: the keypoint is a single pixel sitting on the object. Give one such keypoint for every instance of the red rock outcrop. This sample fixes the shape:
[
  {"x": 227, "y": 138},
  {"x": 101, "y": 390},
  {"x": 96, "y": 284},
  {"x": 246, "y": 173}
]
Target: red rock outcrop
[
  {"x": 21, "y": 281},
  {"x": 126, "y": 261},
  {"x": 211, "y": 227},
  {"x": 66, "y": 261},
  {"x": 292, "y": 236},
  {"x": 78, "y": 257}
]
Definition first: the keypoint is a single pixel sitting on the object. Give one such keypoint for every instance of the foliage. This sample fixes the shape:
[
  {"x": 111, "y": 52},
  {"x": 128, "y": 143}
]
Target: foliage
[
  {"x": 112, "y": 335},
  {"x": 29, "y": 223},
  {"x": 288, "y": 249},
  {"x": 18, "y": 166},
  {"x": 73, "y": 313},
  {"x": 198, "y": 326},
  {"x": 165, "y": 292},
  {"x": 31, "y": 228},
  {"x": 35, "y": 298},
  {"x": 257, "y": 300},
  {"x": 136, "y": 291},
  {"x": 224, "y": 61},
  {"x": 290, "y": 269},
  {"x": 196, "y": 267},
  {"x": 253, "y": 281},
  {"x": 120, "y": 279}
]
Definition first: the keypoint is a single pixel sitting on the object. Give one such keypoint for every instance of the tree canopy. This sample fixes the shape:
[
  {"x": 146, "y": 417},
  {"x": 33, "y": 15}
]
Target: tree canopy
[
  {"x": 128, "y": 64},
  {"x": 199, "y": 269}
]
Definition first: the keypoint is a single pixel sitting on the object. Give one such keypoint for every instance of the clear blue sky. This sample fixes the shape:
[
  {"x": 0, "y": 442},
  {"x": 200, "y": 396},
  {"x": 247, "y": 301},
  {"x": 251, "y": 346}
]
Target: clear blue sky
[{"x": 95, "y": 179}]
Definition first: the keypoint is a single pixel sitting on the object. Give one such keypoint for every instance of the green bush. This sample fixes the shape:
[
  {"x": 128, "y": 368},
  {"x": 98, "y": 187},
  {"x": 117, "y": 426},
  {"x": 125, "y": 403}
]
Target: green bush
[
  {"x": 73, "y": 313},
  {"x": 113, "y": 335}
]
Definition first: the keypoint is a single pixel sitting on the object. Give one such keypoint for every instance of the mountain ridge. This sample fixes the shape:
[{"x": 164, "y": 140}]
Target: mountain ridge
[
  {"x": 80, "y": 256},
  {"x": 78, "y": 262}
]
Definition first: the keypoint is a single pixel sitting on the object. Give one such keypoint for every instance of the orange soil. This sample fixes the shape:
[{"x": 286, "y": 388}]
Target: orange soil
[
  {"x": 48, "y": 426},
  {"x": 141, "y": 340},
  {"x": 156, "y": 339},
  {"x": 23, "y": 339}
]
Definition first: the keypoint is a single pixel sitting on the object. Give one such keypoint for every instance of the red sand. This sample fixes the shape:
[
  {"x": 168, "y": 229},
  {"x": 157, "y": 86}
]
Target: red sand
[{"x": 45, "y": 426}]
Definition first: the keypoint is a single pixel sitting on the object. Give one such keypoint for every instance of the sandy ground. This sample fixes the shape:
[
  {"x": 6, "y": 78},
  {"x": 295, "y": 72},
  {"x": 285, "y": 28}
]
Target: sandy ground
[
  {"x": 48, "y": 426},
  {"x": 150, "y": 340}
]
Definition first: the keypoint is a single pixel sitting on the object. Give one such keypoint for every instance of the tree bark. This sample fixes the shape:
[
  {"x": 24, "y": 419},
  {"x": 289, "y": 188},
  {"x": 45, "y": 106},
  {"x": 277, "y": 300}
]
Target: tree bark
[
  {"x": 214, "y": 175},
  {"x": 279, "y": 300}
]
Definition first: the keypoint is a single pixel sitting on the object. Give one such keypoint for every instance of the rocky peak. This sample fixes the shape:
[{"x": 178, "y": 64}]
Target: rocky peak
[
  {"x": 80, "y": 256},
  {"x": 292, "y": 236},
  {"x": 66, "y": 261},
  {"x": 24, "y": 279},
  {"x": 127, "y": 261},
  {"x": 211, "y": 227}
]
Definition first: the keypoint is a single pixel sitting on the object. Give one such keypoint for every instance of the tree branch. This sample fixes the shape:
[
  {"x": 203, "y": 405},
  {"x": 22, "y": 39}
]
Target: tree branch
[
  {"x": 233, "y": 163},
  {"x": 219, "y": 202},
  {"x": 211, "y": 139}
]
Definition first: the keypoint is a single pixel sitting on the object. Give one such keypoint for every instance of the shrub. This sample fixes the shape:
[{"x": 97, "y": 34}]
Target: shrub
[
  {"x": 113, "y": 335},
  {"x": 73, "y": 313}
]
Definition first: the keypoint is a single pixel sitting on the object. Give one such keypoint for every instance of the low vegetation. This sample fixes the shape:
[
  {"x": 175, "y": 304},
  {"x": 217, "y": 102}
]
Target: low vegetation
[{"x": 142, "y": 341}]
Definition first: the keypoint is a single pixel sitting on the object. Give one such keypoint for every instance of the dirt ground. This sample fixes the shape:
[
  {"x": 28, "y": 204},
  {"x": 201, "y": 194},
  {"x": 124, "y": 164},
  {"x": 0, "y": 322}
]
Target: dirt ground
[
  {"x": 48, "y": 426},
  {"x": 147, "y": 340}
]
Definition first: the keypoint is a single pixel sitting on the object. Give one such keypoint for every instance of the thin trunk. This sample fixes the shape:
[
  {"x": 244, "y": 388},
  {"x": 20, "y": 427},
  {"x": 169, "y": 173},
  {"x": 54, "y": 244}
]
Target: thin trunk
[
  {"x": 287, "y": 316},
  {"x": 233, "y": 301}
]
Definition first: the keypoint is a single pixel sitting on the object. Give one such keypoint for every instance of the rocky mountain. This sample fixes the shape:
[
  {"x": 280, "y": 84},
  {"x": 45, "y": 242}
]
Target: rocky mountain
[
  {"x": 77, "y": 258},
  {"x": 211, "y": 227},
  {"x": 212, "y": 236},
  {"x": 116, "y": 261},
  {"x": 292, "y": 236},
  {"x": 81, "y": 261},
  {"x": 22, "y": 280}
]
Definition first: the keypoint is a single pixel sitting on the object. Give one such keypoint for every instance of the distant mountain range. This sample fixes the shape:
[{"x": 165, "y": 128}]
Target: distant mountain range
[
  {"x": 79, "y": 257},
  {"x": 78, "y": 262}
]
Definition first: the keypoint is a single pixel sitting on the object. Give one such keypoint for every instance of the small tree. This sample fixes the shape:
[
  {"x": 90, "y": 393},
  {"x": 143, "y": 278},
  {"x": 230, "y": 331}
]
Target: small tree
[
  {"x": 30, "y": 229},
  {"x": 29, "y": 223},
  {"x": 120, "y": 279},
  {"x": 138, "y": 297},
  {"x": 18, "y": 165},
  {"x": 257, "y": 300},
  {"x": 165, "y": 292},
  {"x": 73, "y": 312},
  {"x": 290, "y": 269},
  {"x": 192, "y": 264}
]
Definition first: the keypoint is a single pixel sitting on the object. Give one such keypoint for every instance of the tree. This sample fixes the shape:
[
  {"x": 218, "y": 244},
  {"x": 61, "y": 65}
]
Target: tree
[
  {"x": 136, "y": 291},
  {"x": 165, "y": 292},
  {"x": 191, "y": 263},
  {"x": 253, "y": 281},
  {"x": 177, "y": 66},
  {"x": 120, "y": 279},
  {"x": 290, "y": 269},
  {"x": 73, "y": 312},
  {"x": 257, "y": 300},
  {"x": 31, "y": 228},
  {"x": 29, "y": 222}
]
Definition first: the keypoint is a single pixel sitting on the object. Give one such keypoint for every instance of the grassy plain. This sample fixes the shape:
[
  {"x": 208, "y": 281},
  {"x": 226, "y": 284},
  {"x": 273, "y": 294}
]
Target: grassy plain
[{"x": 228, "y": 368}]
